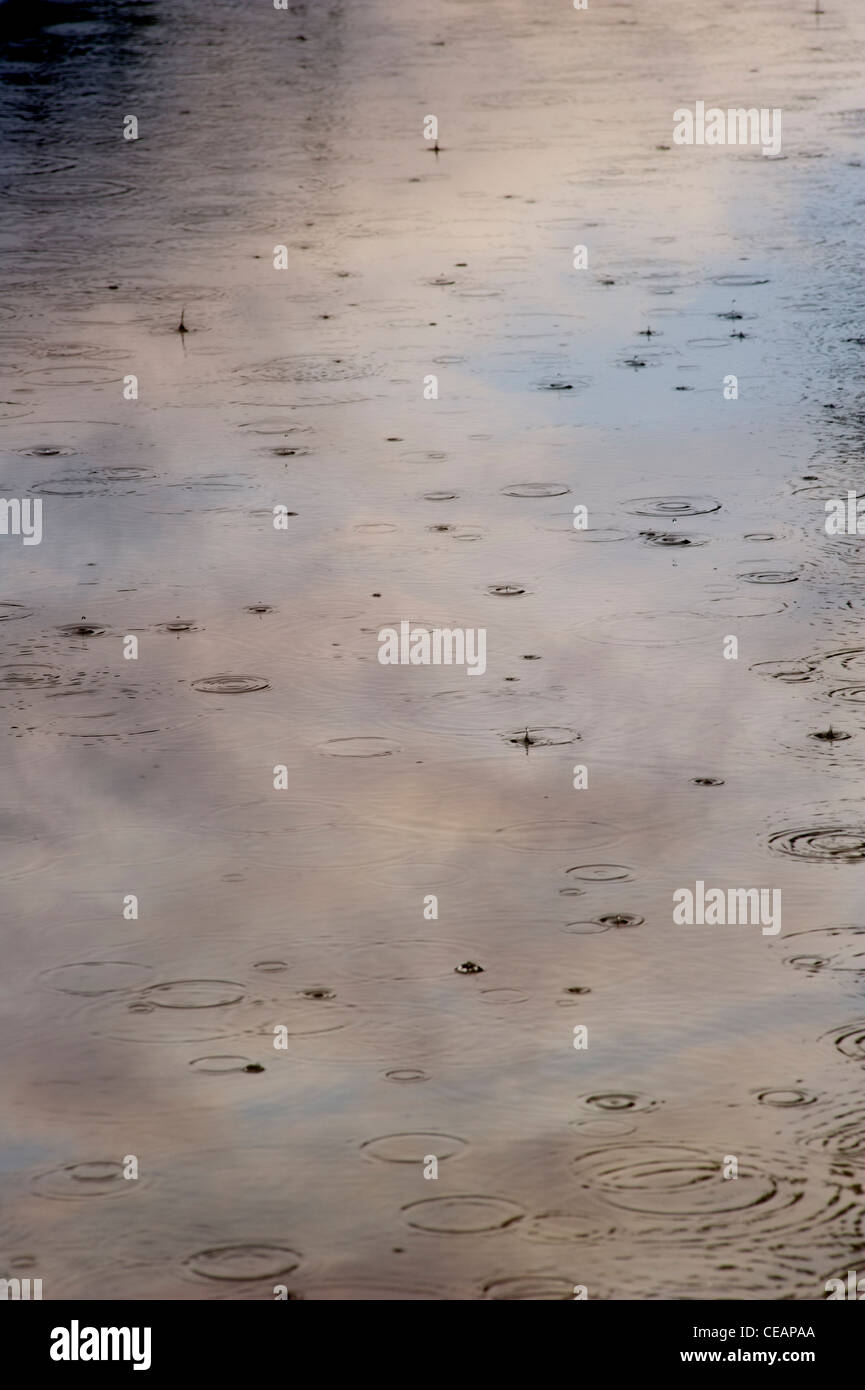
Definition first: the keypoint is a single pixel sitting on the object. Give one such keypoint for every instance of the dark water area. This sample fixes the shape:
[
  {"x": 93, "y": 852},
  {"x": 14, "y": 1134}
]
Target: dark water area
[{"x": 305, "y": 909}]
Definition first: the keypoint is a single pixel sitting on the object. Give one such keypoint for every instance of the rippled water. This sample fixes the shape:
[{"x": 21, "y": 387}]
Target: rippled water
[{"x": 220, "y": 954}]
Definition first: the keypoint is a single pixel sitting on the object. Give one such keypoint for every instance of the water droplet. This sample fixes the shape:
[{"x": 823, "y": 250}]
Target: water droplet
[
  {"x": 462, "y": 1215},
  {"x": 27, "y": 677},
  {"x": 785, "y": 1099},
  {"x": 667, "y": 540},
  {"x": 46, "y": 451},
  {"x": 12, "y": 612},
  {"x": 536, "y": 490},
  {"x": 194, "y": 994},
  {"x": 794, "y": 672},
  {"x": 739, "y": 281},
  {"x": 601, "y": 873},
  {"x": 672, "y": 506},
  {"x": 619, "y": 1100},
  {"x": 81, "y": 629},
  {"x": 361, "y": 747},
  {"x": 850, "y": 1041},
  {"x": 96, "y": 1178},
  {"x": 220, "y": 1064},
  {"x": 828, "y": 948},
  {"x": 531, "y": 1288},
  {"x": 674, "y": 1183},
  {"x": 413, "y": 1148},
  {"x": 503, "y": 995},
  {"x": 833, "y": 844},
  {"x": 243, "y": 1262},
  {"x": 94, "y": 977},
  {"x": 768, "y": 576},
  {"x": 848, "y": 695},
  {"x": 230, "y": 685},
  {"x": 541, "y": 738}
]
